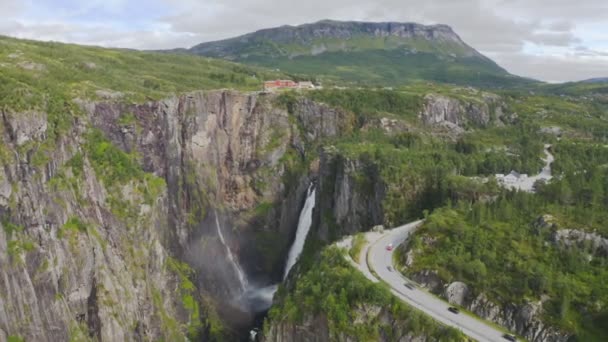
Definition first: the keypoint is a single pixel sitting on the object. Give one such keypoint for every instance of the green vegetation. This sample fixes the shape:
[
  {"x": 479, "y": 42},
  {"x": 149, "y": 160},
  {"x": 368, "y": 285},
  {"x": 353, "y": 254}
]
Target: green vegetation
[
  {"x": 422, "y": 172},
  {"x": 357, "y": 245},
  {"x": 169, "y": 326},
  {"x": 369, "y": 102},
  {"x": 13, "y": 338},
  {"x": 341, "y": 294},
  {"x": 74, "y": 223},
  {"x": 485, "y": 235},
  {"x": 34, "y": 72},
  {"x": 363, "y": 58},
  {"x": 500, "y": 249},
  {"x": 117, "y": 168},
  {"x": 188, "y": 292},
  {"x": 392, "y": 67}
]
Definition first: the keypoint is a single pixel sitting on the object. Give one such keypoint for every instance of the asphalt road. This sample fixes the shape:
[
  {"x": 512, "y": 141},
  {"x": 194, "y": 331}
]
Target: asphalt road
[{"x": 379, "y": 260}]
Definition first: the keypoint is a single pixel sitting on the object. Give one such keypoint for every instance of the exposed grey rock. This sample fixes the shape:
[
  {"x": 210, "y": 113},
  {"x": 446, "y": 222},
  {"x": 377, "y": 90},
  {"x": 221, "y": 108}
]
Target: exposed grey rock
[
  {"x": 429, "y": 279},
  {"x": 456, "y": 293},
  {"x": 322, "y": 121},
  {"x": 350, "y": 193},
  {"x": 317, "y": 328},
  {"x": 439, "y": 108},
  {"x": 28, "y": 65},
  {"x": 553, "y": 130},
  {"x": 458, "y": 114},
  {"x": 387, "y": 125},
  {"x": 409, "y": 258},
  {"x": 574, "y": 237},
  {"x": 25, "y": 126},
  {"x": 378, "y": 228}
]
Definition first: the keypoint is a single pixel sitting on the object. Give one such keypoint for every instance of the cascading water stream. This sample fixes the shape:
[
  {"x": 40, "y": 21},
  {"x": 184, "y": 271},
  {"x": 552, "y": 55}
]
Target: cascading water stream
[
  {"x": 261, "y": 298},
  {"x": 304, "y": 224},
  {"x": 237, "y": 268}
]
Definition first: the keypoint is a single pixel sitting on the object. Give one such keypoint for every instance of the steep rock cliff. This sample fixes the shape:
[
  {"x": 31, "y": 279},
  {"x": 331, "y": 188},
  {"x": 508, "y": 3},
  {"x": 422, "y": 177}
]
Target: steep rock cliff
[
  {"x": 448, "y": 111},
  {"x": 350, "y": 196},
  {"x": 97, "y": 225},
  {"x": 70, "y": 266}
]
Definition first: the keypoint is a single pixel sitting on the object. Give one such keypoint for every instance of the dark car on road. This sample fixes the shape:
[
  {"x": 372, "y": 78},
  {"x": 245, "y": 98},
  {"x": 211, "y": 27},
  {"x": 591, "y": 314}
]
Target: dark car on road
[
  {"x": 453, "y": 310},
  {"x": 409, "y": 286},
  {"x": 509, "y": 337}
]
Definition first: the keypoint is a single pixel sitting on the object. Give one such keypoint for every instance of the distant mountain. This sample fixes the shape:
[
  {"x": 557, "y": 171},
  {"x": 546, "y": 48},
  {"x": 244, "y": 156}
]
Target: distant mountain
[
  {"x": 378, "y": 53},
  {"x": 596, "y": 80}
]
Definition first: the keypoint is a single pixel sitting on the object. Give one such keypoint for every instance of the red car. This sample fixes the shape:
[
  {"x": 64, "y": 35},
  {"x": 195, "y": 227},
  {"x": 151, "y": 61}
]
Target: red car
[{"x": 389, "y": 247}]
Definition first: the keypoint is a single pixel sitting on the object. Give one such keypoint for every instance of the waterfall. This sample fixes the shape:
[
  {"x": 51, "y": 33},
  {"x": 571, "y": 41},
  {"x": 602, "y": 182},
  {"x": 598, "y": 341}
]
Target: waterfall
[
  {"x": 237, "y": 268},
  {"x": 304, "y": 223}
]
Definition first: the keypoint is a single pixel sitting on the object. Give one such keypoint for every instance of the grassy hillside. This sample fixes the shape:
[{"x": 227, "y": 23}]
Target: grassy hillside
[
  {"x": 391, "y": 68},
  {"x": 365, "y": 53},
  {"x": 32, "y": 71}
]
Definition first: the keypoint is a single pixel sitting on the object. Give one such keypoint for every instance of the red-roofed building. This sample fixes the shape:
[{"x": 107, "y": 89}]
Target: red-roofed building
[{"x": 278, "y": 84}]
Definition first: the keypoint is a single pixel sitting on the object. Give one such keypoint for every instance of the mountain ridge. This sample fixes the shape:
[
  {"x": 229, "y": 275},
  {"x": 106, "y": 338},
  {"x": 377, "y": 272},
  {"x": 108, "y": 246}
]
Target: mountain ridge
[
  {"x": 307, "y": 34},
  {"x": 380, "y": 53}
]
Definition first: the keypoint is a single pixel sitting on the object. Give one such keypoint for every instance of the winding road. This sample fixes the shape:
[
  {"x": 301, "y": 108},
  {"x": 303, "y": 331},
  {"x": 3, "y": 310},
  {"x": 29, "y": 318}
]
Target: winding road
[{"x": 375, "y": 262}]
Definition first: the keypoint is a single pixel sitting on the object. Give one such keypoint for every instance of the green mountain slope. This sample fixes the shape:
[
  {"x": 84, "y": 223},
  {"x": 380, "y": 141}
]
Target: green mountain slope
[
  {"x": 37, "y": 69},
  {"x": 360, "y": 52}
]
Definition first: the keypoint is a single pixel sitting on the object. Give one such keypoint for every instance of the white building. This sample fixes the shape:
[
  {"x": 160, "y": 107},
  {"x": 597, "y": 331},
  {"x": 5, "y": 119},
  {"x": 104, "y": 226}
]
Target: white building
[{"x": 306, "y": 85}]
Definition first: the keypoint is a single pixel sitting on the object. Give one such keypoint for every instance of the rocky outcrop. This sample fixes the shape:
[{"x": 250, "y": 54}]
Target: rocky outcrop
[
  {"x": 350, "y": 196},
  {"x": 524, "y": 319},
  {"x": 388, "y": 126},
  {"x": 430, "y": 280},
  {"x": 591, "y": 242},
  {"x": 322, "y": 121},
  {"x": 456, "y": 293},
  {"x": 594, "y": 243},
  {"x": 317, "y": 328},
  {"x": 441, "y": 110},
  {"x": 312, "y": 328}
]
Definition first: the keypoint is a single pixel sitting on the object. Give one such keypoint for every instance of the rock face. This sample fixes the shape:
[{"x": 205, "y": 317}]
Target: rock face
[
  {"x": 350, "y": 195},
  {"x": 72, "y": 263},
  {"x": 316, "y": 328},
  {"x": 524, "y": 319},
  {"x": 592, "y": 242},
  {"x": 322, "y": 121},
  {"x": 63, "y": 280},
  {"x": 573, "y": 237},
  {"x": 446, "y": 111},
  {"x": 456, "y": 293},
  {"x": 387, "y": 125}
]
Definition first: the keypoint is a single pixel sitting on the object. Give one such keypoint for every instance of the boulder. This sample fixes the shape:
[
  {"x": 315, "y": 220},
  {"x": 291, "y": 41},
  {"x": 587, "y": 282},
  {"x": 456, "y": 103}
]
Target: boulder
[{"x": 456, "y": 293}]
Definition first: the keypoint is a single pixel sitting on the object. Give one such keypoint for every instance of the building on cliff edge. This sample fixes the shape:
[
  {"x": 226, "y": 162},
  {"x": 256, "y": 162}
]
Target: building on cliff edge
[{"x": 287, "y": 84}]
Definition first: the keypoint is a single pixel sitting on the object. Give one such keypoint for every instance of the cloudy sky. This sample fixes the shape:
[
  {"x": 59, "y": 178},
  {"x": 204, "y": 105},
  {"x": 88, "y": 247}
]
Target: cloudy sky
[{"x": 551, "y": 40}]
